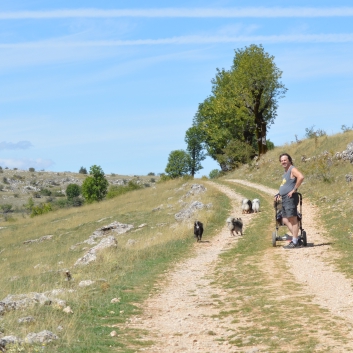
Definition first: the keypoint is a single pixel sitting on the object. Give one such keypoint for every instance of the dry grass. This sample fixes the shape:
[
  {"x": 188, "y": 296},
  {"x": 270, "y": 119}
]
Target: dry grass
[{"x": 127, "y": 272}]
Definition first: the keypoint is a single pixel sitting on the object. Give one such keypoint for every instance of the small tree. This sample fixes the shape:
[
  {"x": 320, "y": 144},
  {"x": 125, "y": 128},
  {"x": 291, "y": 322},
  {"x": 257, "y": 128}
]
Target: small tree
[
  {"x": 73, "y": 190},
  {"x": 193, "y": 138},
  {"x": 178, "y": 164},
  {"x": 31, "y": 169},
  {"x": 95, "y": 186},
  {"x": 214, "y": 174},
  {"x": 83, "y": 170}
]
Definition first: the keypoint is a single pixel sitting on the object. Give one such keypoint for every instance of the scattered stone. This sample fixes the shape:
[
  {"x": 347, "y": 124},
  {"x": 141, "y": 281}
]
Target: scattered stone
[
  {"x": 68, "y": 310},
  {"x": 86, "y": 283},
  {"x": 113, "y": 334},
  {"x": 196, "y": 189},
  {"x": 4, "y": 341},
  {"x": 22, "y": 301},
  {"x": 131, "y": 242},
  {"x": 60, "y": 328},
  {"x": 142, "y": 225},
  {"x": 115, "y": 300},
  {"x": 26, "y": 320},
  {"x": 91, "y": 255},
  {"x": 41, "y": 337},
  {"x": 160, "y": 207},
  {"x": 349, "y": 178}
]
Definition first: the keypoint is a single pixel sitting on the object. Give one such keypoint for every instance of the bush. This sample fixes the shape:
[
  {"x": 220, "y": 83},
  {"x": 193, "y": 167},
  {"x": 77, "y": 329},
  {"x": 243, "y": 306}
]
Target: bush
[
  {"x": 29, "y": 205},
  {"x": 5, "y": 181},
  {"x": 45, "y": 192},
  {"x": 1, "y": 187},
  {"x": 76, "y": 202},
  {"x": 6, "y": 208},
  {"x": 151, "y": 174},
  {"x": 214, "y": 174},
  {"x": 31, "y": 169},
  {"x": 311, "y": 133},
  {"x": 41, "y": 209},
  {"x": 116, "y": 190},
  {"x": 152, "y": 180},
  {"x": 83, "y": 170},
  {"x": 345, "y": 128},
  {"x": 72, "y": 191},
  {"x": 18, "y": 177},
  {"x": 163, "y": 178}
]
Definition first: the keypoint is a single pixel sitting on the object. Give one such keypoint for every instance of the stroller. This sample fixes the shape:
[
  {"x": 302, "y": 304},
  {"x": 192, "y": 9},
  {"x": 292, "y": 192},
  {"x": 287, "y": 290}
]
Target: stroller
[{"x": 279, "y": 223}]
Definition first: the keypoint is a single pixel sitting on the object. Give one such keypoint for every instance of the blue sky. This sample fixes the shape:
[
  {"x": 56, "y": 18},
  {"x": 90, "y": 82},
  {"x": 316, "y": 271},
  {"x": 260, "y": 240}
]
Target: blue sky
[{"x": 117, "y": 83}]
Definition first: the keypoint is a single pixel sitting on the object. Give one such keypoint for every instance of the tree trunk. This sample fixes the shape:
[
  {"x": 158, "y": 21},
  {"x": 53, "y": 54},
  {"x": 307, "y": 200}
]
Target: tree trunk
[{"x": 261, "y": 134}]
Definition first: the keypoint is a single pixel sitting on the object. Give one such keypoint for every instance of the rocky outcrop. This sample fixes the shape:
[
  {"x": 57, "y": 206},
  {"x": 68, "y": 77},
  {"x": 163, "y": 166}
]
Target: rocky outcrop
[
  {"x": 40, "y": 337},
  {"x": 22, "y": 301},
  {"x": 115, "y": 228},
  {"x": 91, "y": 254},
  {"x": 187, "y": 212}
]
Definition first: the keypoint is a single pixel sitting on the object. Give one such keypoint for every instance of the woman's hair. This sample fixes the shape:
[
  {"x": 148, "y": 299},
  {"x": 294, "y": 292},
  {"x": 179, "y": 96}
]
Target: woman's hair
[{"x": 289, "y": 157}]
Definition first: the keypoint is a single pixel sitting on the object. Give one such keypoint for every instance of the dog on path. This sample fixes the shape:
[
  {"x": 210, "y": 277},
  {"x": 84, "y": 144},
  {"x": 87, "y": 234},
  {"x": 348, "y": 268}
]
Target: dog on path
[
  {"x": 256, "y": 205},
  {"x": 198, "y": 230},
  {"x": 235, "y": 225},
  {"x": 246, "y": 206}
]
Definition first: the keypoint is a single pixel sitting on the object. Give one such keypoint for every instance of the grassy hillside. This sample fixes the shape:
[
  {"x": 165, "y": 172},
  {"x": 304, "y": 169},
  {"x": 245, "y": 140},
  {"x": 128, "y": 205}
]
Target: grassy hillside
[
  {"x": 127, "y": 272},
  {"x": 130, "y": 271}
]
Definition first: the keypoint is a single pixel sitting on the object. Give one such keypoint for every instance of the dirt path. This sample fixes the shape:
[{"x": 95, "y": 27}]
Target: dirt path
[{"x": 179, "y": 317}]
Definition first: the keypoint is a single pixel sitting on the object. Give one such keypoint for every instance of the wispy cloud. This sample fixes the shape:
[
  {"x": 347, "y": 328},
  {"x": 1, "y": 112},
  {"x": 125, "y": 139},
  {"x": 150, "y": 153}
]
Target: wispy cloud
[
  {"x": 183, "y": 40},
  {"x": 252, "y": 12},
  {"x": 25, "y": 163},
  {"x": 21, "y": 145}
]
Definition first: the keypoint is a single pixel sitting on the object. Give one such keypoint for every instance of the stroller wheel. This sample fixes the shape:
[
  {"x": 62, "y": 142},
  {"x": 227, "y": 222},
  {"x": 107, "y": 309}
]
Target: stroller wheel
[
  {"x": 274, "y": 238},
  {"x": 305, "y": 242}
]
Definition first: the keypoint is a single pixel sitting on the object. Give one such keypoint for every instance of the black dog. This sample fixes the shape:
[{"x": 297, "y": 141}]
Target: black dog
[{"x": 198, "y": 230}]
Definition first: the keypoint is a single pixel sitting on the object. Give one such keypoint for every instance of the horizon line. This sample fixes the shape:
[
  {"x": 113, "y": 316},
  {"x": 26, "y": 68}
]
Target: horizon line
[{"x": 255, "y": 12}]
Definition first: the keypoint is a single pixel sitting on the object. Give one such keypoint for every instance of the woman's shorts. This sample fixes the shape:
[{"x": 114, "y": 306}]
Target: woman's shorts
[{"x": 289, "y": 205}]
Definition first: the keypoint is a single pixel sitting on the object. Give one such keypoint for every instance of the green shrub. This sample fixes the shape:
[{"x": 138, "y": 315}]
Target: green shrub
[
  {"x": 214, "y": 174},
  {"x": 116, "y": 190},
  {"x": 41, "y": 209},
  {"x": 6, "y": 208},
  {"x": 72, "y": 191},
  {"x": 151, "y": 174},
  {"x": 5, "y": 181},
  {"x": 31, "y": 169},
  {"x": 45, "y": 192},
  {"x": 76, "y": 202}
]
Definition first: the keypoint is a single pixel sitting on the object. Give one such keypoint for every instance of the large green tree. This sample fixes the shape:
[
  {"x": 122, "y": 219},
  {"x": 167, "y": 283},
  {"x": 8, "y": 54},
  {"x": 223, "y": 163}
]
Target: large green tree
[
  {"x": 179, "y": 163},
  {"x": 195, "y": 148},
  {"x": 95, "y": 186},
  {"x": 253, "y": 83},
  {"x": 243, "y": 103}
]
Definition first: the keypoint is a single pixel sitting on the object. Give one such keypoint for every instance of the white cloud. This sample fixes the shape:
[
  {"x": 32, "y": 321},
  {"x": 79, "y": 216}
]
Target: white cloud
[
  {"x": 22, "y": 145},
  {"x": 26, "y": 163},
  {"x": 254, "y": 12},
  {"x": 184, "y": 40}
]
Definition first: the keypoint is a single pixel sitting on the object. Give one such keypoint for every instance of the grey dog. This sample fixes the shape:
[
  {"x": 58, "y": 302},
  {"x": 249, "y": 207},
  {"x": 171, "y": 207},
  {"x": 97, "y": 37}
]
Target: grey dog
[{"x": 235, "y": 225}]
